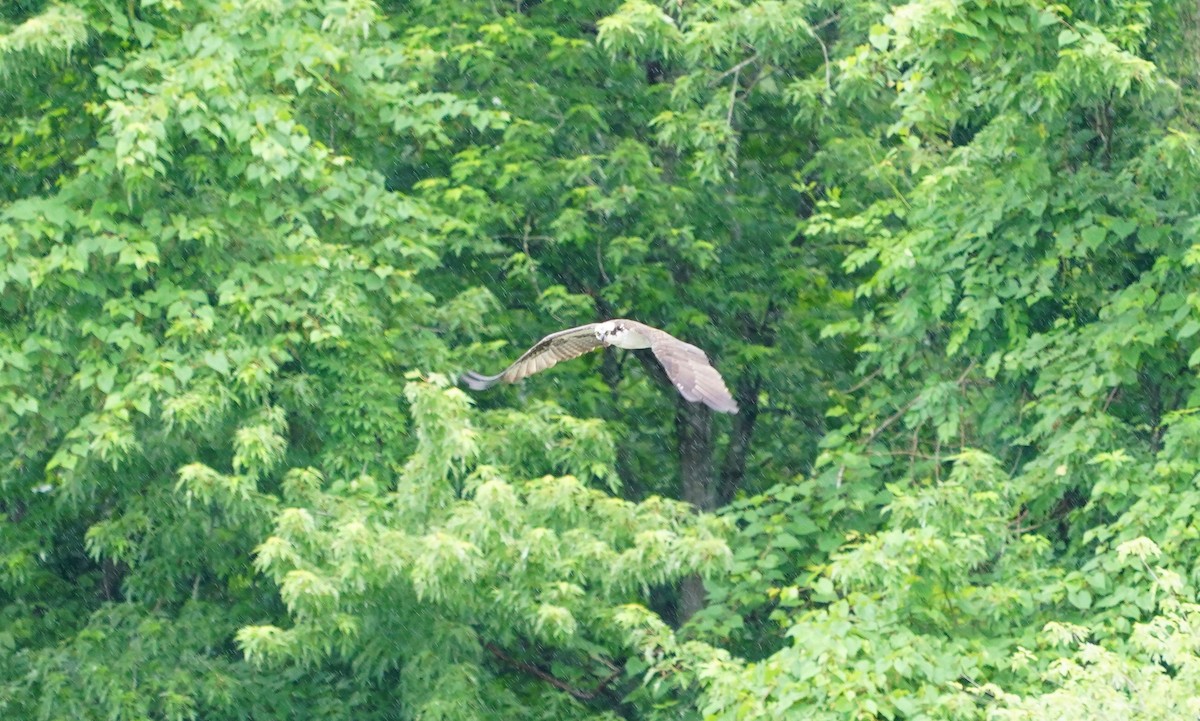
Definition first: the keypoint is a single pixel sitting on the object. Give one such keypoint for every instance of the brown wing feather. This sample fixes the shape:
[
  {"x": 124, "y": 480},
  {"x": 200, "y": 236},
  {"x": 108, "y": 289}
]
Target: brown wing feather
[
  {"x": 689, "y": 370},
  {"x": 560, "y": 346}
]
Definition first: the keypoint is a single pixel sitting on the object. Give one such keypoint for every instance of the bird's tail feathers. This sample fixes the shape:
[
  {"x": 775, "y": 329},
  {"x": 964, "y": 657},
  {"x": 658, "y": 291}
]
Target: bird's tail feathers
[{"x": 478, "y": 382}]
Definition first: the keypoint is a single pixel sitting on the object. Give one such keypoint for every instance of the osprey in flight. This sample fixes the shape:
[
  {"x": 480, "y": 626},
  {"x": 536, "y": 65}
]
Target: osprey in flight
[{"x": 685, "y": 364}]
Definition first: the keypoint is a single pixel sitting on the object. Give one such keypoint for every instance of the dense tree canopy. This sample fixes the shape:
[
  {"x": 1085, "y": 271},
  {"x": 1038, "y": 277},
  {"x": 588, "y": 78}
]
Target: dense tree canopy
[{"x": 944, "y": 254}]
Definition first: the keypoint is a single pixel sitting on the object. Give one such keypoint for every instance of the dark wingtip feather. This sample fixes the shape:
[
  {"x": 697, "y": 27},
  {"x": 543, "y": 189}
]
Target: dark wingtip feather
[{"x": 477, "y": 382}]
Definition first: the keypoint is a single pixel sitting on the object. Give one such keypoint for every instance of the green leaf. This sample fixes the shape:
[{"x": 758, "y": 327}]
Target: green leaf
[{"x": 218, "y": 361}]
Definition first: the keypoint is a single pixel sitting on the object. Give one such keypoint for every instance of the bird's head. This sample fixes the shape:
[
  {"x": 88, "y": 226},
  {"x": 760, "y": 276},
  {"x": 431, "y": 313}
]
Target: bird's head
[{"x": 610, "y": 331}]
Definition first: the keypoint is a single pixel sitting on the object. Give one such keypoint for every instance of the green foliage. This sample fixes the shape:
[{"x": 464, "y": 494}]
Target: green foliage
[
  {"x": 943, "y": 253},
  {"x": 998, "y": 171},
  {"x": 462, "y": 549}
]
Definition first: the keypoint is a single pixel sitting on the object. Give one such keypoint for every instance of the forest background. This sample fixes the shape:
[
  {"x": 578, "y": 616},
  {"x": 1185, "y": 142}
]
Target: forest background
[{"x": 943, "y": 252}]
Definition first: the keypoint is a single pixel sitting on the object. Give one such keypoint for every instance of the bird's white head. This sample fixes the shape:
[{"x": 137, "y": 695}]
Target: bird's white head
[
  {"x": 609, "y": 332},
  {"x": 620, "y": 334}
]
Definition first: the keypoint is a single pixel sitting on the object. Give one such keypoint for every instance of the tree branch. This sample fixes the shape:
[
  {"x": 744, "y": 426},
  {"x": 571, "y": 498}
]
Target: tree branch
[
  {"x": 733, "y": 71},
  {"x": 904, "y": 409},
  {"x": 549, "y": 678}
]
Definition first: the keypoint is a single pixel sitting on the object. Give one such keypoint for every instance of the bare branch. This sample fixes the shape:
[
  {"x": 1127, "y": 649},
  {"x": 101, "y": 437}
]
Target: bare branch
[
  {"x": 825, "y": 52},
  {"x": 827, "y": 22},
  {"x": 549, "y": 678},
  {"x": 734, "y": 70}
]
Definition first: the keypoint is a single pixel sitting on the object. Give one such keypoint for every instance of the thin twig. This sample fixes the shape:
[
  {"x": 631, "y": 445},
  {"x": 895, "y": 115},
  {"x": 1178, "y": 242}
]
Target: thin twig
[
  {"x": 886, "y": 179},
  {"x": 533, "y": 275},
  {"x": 891, "y": 419},
  {"x": 541, "y": 238},
  {"x": 858, "y": 386},
  {"x": 824, "y": 52},
  {"x": 600, "y": 262},
  {"x": 937, "y": 457},
  {"x": 1015, "y": 523},
  {"x": 733, "y": 71},
  {"x": 905, "y": 454},
  {"x": 904, "y": 409},
  {"x": 827, "y": 21},
  {"x": 1149, "y": 570},
  {"x": 732, "y": 98},
  {"x": 912, "y": 458},
  {"x": 762, "y": 73},
  {"x": 525, "y": 247},
  {"x": 963, "y": 376},
  {"x": 1017, "y": 460},
  {"x": 1111, "y": 397}
]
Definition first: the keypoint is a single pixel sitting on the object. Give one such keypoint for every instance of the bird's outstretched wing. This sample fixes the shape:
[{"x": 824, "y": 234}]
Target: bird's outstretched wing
[
  {"x": 560, "y": 346},
  {"x": 688, "y": 368}
]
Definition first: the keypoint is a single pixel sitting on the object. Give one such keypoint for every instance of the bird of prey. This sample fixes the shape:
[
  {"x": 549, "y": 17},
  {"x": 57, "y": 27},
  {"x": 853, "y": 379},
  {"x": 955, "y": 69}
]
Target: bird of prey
[{"x": 685, "y": 364}]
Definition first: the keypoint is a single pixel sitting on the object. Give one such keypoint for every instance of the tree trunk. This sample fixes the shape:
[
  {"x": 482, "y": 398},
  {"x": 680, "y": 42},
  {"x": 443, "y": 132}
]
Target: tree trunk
[
  {"x": 693, "y": 425},
  {"x": 611, "y": 370},
  {"x": 111, "y": 576},
  {"x": 697, "y": 460}
]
